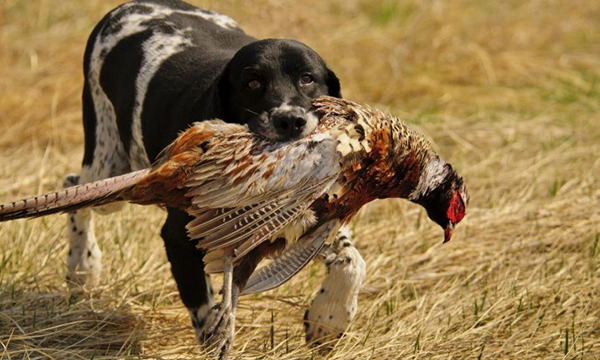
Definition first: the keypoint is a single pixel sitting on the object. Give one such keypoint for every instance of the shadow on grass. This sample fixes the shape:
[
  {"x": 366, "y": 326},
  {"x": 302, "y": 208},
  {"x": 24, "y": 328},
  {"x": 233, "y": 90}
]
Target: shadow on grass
[{"x": 67, "y": 326}]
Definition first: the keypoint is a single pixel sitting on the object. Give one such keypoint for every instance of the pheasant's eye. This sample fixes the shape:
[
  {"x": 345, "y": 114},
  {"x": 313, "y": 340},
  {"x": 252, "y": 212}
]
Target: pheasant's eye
[
  {"x": 254, "y": 84},
  {"x": 306, "y": 79}
]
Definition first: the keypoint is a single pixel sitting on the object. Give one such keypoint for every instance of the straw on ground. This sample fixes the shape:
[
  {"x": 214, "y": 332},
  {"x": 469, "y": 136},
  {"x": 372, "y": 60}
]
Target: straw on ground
[{"x": 510, "y": 93}]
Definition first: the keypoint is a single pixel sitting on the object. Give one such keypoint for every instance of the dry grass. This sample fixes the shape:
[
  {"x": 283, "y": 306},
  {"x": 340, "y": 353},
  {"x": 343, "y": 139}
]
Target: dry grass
[{"x": 510, "y": 91}]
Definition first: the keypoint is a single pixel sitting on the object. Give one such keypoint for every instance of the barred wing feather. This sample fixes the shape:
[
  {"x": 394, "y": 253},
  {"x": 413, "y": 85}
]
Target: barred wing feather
[
  {"x": 293, "y": 259},
  {"x": 245, "y": 228}
]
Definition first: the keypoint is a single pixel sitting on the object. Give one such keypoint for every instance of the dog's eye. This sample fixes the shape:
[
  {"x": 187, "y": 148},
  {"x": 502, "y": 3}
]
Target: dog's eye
[
  {"x": 254, "y": 84},
  {"x": 306, "y": 79}
]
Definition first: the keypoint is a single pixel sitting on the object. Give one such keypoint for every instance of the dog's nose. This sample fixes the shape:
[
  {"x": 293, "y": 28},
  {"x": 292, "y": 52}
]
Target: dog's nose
[{"x": 288, "y": 125}]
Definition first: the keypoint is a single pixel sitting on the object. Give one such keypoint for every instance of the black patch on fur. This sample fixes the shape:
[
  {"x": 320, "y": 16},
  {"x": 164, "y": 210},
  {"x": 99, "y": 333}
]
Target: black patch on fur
[
  {"x": 196, "y": 322},
  {"x": 119, "y": 81},
  {"x": 198, "y": 83}
]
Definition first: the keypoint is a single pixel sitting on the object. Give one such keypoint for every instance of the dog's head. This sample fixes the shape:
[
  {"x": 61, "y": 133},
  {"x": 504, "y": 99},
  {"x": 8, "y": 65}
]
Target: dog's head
[{"x": 269, "y": 85}]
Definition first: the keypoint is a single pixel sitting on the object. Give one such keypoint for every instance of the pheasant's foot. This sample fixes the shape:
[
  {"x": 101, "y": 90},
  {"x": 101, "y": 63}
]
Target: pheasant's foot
[{"x": 219, "y": 331}]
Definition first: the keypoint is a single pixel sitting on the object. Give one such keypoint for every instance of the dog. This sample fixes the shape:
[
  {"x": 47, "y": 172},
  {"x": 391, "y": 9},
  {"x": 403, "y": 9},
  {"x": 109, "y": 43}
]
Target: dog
[{"x": 151, "y": 69}]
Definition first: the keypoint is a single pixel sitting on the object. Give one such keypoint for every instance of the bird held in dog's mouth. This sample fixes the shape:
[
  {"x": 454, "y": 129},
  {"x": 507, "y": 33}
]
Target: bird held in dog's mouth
[{"x": 247, "y": 193}]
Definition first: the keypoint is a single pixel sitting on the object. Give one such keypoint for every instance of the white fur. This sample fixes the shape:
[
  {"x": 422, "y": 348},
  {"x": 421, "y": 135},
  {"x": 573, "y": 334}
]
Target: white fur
[
  {"x": 200, "y": 317},
  {"x": 336, "y": 303},
  {"x": 284, "y": 107},
  {"x": 110, "y": 159},
  {"x": 84, "y": 262},
  {"x": 223, "y": 21},
  {"x": 331, "y": 311},
  {"x": 156, "y": 49}
]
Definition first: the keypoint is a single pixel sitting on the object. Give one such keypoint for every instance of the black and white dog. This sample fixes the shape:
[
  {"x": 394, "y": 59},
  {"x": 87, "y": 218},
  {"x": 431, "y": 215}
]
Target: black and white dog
[{"x": 152, "y": 67}]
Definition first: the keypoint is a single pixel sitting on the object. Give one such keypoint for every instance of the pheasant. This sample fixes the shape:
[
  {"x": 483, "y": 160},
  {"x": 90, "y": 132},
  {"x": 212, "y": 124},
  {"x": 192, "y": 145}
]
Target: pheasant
[{"x": 253, "y": 198}]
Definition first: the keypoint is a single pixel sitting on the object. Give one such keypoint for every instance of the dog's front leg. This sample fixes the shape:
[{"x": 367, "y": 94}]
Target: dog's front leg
[{"x": 335, "y": 304}]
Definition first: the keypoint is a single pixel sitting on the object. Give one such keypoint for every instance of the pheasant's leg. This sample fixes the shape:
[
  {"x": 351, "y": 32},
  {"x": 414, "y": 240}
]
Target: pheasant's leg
[
  {"x": 335, "y": 304},
  {"x": 220, "y": 329}
]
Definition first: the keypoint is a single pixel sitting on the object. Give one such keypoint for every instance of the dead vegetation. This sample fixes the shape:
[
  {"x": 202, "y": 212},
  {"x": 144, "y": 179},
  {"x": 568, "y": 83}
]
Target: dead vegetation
[{"x": 509, "y": 91}]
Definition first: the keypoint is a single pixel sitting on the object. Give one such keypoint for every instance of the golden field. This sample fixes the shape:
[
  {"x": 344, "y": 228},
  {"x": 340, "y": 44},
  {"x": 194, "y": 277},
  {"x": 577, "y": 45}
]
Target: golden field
[{"x": 508, "y": 91}]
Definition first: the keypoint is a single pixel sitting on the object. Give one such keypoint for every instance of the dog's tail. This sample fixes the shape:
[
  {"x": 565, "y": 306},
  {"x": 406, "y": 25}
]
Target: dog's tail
[{"x": 96, "y": 193}]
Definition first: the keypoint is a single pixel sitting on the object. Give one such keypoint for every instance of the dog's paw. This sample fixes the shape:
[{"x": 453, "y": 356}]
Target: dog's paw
[
  {"x": 200, "y": 316},
  {"x": 71, "y": 180}
]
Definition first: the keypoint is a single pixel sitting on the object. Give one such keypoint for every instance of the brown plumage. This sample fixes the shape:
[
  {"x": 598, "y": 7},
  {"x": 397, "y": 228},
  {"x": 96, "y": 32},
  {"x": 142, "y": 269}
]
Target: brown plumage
[{"x": 246, "y": 192}]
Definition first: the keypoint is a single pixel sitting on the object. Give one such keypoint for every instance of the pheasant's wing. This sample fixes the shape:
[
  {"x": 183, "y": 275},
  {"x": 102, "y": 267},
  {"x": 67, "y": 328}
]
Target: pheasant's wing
[
  {"x": 243, "y": 229},
  {"x": 241, "y": 200},
  {"x": 244, "y": 190},
  {"x": 223, "y": 227},
  {"x": 247, "y": 174},
  {"x": 293, "y": 259},
  {"x": 223, "y": 166}
]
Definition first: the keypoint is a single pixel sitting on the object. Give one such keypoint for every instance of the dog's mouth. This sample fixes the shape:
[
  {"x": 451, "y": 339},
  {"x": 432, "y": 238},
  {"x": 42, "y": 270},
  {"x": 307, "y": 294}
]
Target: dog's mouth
[{"x": 284, "y": 123}]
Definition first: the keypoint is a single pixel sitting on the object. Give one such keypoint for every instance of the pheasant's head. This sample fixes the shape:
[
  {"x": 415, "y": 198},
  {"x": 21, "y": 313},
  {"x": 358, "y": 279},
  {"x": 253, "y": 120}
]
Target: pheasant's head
[{"x": 443, "y": 194}]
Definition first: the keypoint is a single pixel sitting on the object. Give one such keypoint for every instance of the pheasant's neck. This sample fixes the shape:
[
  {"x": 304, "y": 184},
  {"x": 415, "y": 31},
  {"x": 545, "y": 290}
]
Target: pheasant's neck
[
  {"x": 401, "y": 175},
  {"x": 373, "y": 175},
  {"x": 434, "y": 172}
]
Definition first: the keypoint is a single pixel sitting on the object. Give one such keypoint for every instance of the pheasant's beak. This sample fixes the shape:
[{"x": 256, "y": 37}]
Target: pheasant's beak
[{"x": 448, "y": 231}]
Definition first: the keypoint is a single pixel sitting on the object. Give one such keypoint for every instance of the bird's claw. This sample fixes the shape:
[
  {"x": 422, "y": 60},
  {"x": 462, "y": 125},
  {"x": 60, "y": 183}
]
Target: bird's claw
[{"x": 219, "y": 331}]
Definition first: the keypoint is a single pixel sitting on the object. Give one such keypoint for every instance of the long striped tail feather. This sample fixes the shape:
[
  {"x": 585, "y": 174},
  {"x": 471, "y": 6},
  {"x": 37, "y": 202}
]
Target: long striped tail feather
[{"x": 95, "y": 193}]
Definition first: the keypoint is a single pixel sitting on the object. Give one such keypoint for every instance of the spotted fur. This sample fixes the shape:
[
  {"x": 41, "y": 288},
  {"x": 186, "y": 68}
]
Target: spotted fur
[
  {"x": 151, "y": 68},
  {"x": 336, "y": 303},
  {"x": 84, "y": 260}
]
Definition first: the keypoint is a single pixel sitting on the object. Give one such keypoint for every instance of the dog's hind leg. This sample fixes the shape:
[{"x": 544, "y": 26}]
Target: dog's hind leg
[
  {"x": 104, "y": 156},
  {"x": 84, "y": 262}
]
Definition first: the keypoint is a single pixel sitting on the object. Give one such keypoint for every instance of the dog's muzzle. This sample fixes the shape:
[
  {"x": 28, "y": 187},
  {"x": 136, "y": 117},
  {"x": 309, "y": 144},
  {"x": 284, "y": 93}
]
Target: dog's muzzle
[{"x": 292, "y": 122}]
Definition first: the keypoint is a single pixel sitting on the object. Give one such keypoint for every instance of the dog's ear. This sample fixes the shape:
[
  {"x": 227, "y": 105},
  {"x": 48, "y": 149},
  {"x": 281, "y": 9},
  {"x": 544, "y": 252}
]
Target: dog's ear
[
  {"x": 222, "y": 95},
  {"x": 333, "y": 84}
]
